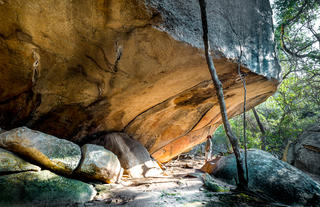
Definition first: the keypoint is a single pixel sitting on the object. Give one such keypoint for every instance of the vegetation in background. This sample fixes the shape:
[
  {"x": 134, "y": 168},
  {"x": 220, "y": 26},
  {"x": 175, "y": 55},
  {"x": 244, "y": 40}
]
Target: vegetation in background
[{"x": 296, "y": 105}]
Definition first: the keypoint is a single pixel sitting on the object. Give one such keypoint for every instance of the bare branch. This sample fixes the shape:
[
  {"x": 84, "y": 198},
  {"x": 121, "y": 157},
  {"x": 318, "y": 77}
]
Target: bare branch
[{"x": 263, "y": 131}]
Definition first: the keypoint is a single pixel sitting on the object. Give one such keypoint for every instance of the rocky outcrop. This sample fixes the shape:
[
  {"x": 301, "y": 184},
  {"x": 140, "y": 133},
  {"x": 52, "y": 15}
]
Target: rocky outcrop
[
  {"x": 275, "y": 178},
  {"x": 53, "y": 153},
  {"x": 42, "y": 188},
  {"x": 305, "y": 152},
  {"x": 73, "y": 68},
  {"x": 97, "y": 163},
  {"x": 10, "y": 163},
  {"x": 134, "y": 158}
]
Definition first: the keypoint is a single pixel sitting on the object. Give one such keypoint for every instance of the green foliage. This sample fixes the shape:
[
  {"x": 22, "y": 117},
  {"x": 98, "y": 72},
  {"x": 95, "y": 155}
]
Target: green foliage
[
  {"x": 296, "y": 104},
  {"x": 285, "y": 116}
]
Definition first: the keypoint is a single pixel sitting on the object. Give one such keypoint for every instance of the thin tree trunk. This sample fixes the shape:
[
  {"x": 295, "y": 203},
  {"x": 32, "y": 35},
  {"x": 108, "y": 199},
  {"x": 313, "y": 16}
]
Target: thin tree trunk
[
  {"x": 263, "y": 137},
  {"x": 219, "y": 92},
  {"x": 242, "y": 77}
]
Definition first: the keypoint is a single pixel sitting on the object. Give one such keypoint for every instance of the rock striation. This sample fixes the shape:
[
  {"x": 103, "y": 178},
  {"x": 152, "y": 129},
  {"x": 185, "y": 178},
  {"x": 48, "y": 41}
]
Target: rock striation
[{"x": 74, "y": 68}]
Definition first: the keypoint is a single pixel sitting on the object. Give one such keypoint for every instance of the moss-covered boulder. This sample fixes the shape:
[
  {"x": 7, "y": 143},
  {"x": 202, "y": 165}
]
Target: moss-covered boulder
[
  {"x": 273, "y": 177},
  {"x": 42, "y": 188},
  {"x": 99, "y": 164},
  {"x": 9, "y": 163},
  {"x": 51, "y": 152}
]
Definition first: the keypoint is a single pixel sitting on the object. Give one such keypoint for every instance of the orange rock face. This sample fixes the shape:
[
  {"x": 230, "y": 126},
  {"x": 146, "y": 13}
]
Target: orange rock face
[
  {"x": 209, "y": 166},
  {"x": 71, "y": 69}
]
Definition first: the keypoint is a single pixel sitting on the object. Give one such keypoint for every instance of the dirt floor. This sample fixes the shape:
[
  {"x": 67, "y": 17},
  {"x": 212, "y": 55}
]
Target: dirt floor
[{"x": 181, "y": 185}]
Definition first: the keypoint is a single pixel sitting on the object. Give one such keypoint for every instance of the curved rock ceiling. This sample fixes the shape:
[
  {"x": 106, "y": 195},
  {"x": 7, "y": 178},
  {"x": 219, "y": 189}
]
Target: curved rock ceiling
[{"x": 73, "y": 68}]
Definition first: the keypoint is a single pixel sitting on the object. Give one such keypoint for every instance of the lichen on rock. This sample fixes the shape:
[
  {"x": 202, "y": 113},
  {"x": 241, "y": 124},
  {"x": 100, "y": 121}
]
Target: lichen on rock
[
  {"x": 97, "y": 163},
  {"x": 42, "y": 188},
  {"x": 56, "y": 154},
  {"x": 10, "y": 163}
]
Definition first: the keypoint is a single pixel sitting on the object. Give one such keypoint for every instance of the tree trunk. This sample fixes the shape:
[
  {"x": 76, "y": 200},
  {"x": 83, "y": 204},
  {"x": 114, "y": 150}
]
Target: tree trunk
[
  {"x": 263, "y": 137},
  {"x": 242, "y": 77},
  {"x": 219, "y": 92}
]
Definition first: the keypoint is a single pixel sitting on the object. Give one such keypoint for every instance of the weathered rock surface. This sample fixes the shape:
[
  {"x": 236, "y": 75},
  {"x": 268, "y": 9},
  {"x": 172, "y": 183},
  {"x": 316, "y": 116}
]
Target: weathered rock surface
[
  {"x": 99, "y": 164},
  {"x": 59, "y": 155},
  {"x": 305, "y": 153},
  {"x": 10, "y": 162},
  {"x": 134, "y": 158},
  {"x": 73, "y": 68},
  {"x": 42, "y": 188},
  {"x": 274, "y": 177}
]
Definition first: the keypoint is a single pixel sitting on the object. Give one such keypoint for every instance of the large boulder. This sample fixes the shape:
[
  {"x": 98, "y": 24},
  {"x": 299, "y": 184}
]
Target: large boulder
[
  {"x": 59, "y": 155},
  {"x": 134, "y": 158},
  {"x": 99, "y": 164},
  {"x": 42, "y": 188},
  {"x": 275, "y": 178},
  {"x": 10, "y": 163},
  {"x": 305, "y": 153},
  {"x": 73, "y": 68}
]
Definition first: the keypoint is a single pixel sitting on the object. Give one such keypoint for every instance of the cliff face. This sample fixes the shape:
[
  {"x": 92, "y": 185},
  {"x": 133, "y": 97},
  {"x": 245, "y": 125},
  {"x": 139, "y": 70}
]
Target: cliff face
[{"x": 73, "y": 68}]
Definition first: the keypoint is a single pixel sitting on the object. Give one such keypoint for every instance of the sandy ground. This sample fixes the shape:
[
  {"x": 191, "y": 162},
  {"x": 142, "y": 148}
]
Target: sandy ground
[{"x": 181, "y": 185}]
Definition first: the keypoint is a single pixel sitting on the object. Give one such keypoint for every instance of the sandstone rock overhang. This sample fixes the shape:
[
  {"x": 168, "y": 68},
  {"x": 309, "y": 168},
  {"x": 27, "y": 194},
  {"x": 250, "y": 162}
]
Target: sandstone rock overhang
[{"x": 71, "y": 69}]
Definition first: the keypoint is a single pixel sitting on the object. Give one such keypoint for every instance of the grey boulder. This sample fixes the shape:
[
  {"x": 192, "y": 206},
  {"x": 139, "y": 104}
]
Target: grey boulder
[
  {"x": 306, "y": 152},
  {"x": 99, "y": 164},
  {"x": 273, "y": 177}
]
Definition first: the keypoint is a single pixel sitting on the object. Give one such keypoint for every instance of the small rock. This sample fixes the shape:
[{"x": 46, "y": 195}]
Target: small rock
[
  {"x": 134, "y": 158},
  {"x": 99, "y": 164},
  {"x": 9, "y": 162},
  {"x": 209, "y": 166},
  {"x": 152, "y": 172},
  {"x": 53, "y": 153},
  {"x": 42, "y": 188}
]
